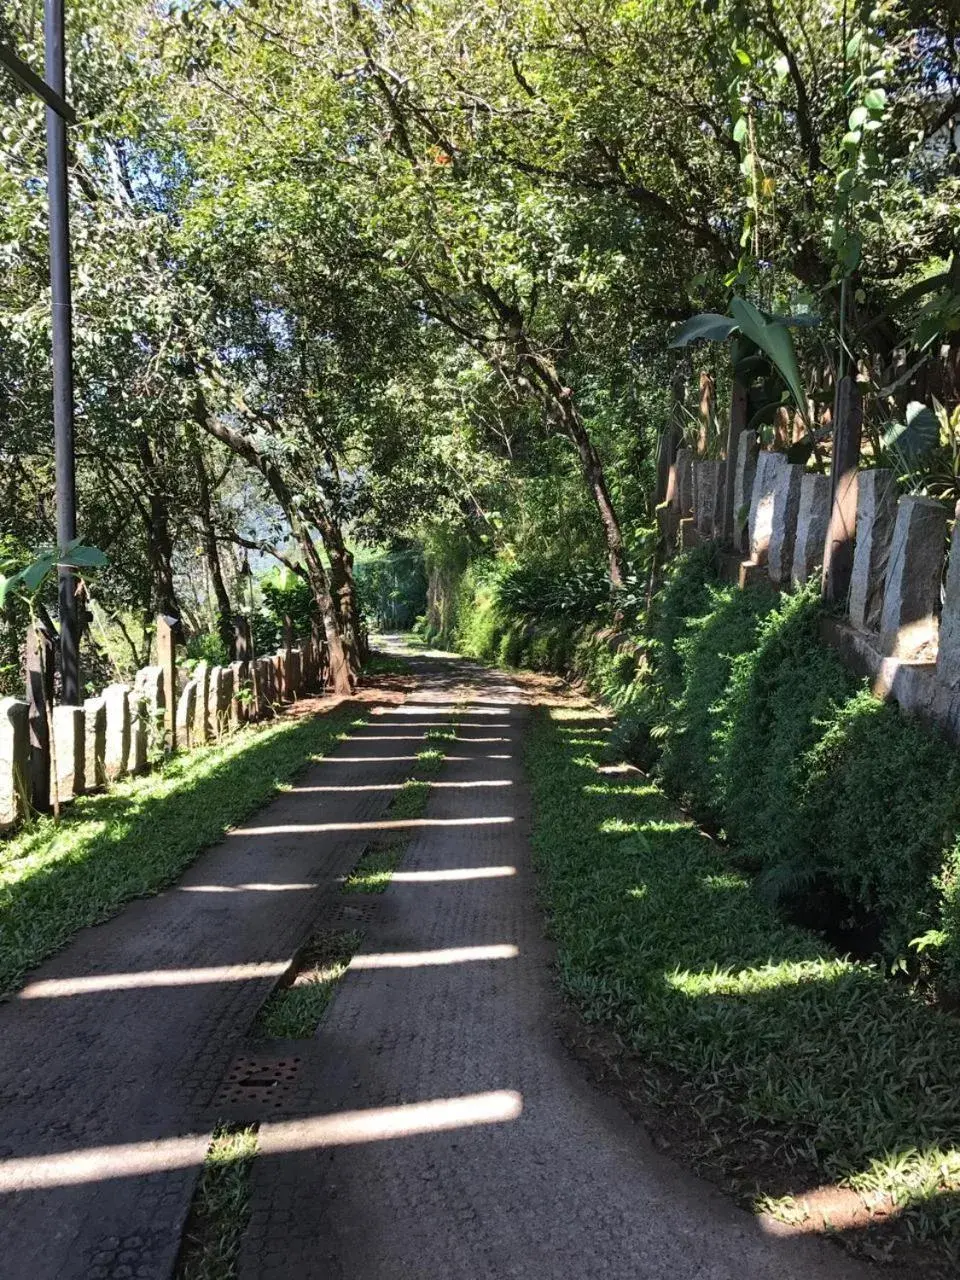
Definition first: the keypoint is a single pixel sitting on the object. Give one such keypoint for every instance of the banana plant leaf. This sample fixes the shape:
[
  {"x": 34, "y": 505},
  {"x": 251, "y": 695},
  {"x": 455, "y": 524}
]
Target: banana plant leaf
[{"x": 773, "y": 338}]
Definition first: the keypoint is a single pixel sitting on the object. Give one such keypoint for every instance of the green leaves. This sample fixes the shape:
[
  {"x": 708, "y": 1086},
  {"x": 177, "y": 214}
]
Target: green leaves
[
  {"x": 29, "y": 579},
  {"x": 706, "y": 327},
  {"x": 775, "y": 341},
  {"x": 914, "y": 437}
]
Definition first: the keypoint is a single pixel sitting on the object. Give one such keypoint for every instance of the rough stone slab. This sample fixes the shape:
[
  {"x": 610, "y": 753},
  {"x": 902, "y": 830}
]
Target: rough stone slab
[
  {"x": 766, "y": 478},
  {"x": 688, "y": 534},
  {"x": 201, "y": 711},
  {"x": 264, "y": 673},
  {"x": 140, "y": 721},
  {"x": 948, "y": 652},
  {"x": 224, "y": 700},
  {"x": 709, "y": 491},
  {"x": 296, "y": 673},
  {"x": 148, "y": 687},
  {"x": 783, "y": 527},
  {"x": 14, "y": 760},
  {"x": 238, "y": 702},
  {"x": 684, "y": 466},
  {"x": 186, "y": 715},
  {"x": 95, "y": 743},
  {"x": 214, "y": 694},
  {"x": 813, "y": 519},
  {"x": 908, "y": 622},
  {"x": 746, "y": 470},
  {"x": 69, "y": 754},
  {"x": 876, "y": 517},
  {"x": 116, "y": 698}
]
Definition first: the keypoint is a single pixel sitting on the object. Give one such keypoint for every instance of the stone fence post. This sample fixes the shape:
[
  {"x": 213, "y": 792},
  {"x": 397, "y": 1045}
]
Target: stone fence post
[
  {"x": 14, "y": 761},
  {"x": 95, "y": 743},
  {"x": 116, "y": 698},
  {"x": 783, "y": 522},
  {"x": 908, "y": 622},
  {"x": 876, "y": 517},
  {"x": 813, "y": 518},
  {"x": 838, "y": 548}
]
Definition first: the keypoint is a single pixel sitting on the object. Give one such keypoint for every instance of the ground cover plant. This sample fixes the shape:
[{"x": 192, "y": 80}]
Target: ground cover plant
[
  {"x": 221, "y": 1207},
  {"x": 791, "y": 1065},
  {"x": 142, "y": 833},
  {"x": 294, "y": 1011}
]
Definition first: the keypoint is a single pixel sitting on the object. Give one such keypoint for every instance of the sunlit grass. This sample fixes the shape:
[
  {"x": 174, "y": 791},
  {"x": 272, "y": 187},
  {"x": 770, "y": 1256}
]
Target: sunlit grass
[
  {"x": 294, "y": 1011},
  {"x": 429, "y": 761},
  {"x": 221, "y": 1207},
  {"x": 374, "y": 868},
  {"x": 755, "y": 1032},
  {"x": 140, "y": 835}
]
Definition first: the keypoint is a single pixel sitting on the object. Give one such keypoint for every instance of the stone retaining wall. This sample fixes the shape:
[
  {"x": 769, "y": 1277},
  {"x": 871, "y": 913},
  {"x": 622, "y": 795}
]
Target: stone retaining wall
[{"x": 901, "y": 623}]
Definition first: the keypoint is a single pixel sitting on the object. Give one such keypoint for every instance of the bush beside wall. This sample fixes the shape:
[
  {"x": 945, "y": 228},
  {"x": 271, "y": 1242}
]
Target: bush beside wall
[{"x": 847, "y": 812}]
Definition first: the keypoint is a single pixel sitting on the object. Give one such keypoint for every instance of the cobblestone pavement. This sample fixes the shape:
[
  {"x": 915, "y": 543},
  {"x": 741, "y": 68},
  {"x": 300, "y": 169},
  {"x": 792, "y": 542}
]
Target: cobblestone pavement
[
  {"x": 437, "y": 1129},
  {"x": 111, "y": 1056}
]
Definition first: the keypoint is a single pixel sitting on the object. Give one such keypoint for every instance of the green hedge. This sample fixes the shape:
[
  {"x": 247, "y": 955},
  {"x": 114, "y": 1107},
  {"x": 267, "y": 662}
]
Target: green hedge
[{"x": 848, "y": 812}]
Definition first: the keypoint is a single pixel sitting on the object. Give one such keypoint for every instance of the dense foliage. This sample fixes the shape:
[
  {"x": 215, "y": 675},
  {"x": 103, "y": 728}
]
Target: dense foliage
[
  {"x": 758, "y": 1052},
  {"x": 848, "y": 813},
  {"x": 365, "y": 273}
]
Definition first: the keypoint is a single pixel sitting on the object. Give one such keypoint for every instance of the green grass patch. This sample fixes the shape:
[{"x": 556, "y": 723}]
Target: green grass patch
[
  {"x": 429, "y": 761},
  {"x": 788, "y": 1061},
  {"x": 294, "y": 1012},
  {"x": 374, "y": 868},
  {"x": 410, "y": 801},
  {"x": 377, "y": 863},
  {"x": 221, "y": 1207},
  {"x": 141, "y": 834},
  {"x": 443, "y": 733}
]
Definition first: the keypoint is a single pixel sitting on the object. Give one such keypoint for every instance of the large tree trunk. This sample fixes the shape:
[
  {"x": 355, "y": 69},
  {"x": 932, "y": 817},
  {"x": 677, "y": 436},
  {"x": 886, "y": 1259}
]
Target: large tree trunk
[
  {"x": 342, "y": 581},
  {"x": 560, "y": 404},
  {"x": 211, "y": 551},
  {"x": 342, "y": 673}
]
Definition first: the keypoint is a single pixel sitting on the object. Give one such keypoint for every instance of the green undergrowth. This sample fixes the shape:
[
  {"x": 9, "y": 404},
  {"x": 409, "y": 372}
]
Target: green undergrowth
[
  {"x": 846, "y": 812},
  {"x": 294, "y": 1011},
  {"x": 781, "y": 1057},
  {"x": 221, "y": 1207},
  {"x": 141, "y": 834}
]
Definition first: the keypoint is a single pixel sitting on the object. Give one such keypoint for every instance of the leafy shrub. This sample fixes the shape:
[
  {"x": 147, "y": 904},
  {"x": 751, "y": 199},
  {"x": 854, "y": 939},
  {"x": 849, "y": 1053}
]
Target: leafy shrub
[{"x": 206, "y": 647}]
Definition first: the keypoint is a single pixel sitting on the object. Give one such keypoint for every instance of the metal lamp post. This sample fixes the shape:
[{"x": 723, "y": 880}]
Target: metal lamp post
[{"x": 59, "y": 114}]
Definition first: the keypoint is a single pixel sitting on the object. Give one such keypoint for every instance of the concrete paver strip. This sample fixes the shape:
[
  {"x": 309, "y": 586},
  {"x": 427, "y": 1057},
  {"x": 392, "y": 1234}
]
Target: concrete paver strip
[
  {"x": 441, "y": 1131},
  {"x": 111, "y": 1054}
]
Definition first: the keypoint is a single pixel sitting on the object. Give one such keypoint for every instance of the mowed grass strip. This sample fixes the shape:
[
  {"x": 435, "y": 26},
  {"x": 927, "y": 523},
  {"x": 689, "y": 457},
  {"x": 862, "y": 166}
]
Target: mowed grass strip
[
  {"x": 221, "y": 1207},
  {"x": 141, "y": 834},
  {"x": 792, "y": 1066},
  {"x": 294, "y": 1012}
]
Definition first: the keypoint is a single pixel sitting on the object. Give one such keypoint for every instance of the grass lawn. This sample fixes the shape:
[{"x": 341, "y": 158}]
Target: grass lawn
[
  {"x": 142, "y": 833},
  {"x": 789, "y": 1066},
  {"x": 294, "y": 1012},
  {"x": 221, "y": 1207}
]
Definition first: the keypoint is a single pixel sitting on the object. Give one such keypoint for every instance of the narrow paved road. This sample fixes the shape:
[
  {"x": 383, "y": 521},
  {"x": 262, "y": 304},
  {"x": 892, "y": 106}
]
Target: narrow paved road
[
  {"x": 433, "y": 1129},
  {"x": 444, "y": 1134}
]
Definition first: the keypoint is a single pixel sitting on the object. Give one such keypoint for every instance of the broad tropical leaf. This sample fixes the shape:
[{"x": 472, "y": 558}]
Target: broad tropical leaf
[{"x": 707, "y": 327}]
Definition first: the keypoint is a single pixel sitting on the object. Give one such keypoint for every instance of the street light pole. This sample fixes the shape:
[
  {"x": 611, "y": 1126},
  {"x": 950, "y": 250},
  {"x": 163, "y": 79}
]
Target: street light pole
[{"x": 55, "y": 75}]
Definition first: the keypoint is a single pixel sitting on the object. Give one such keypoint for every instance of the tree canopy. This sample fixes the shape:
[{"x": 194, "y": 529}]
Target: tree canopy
[{"x": 352, "y": 274}]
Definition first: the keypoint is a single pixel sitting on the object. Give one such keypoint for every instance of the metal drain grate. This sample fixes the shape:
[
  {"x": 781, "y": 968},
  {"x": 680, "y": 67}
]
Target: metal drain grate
[{"x": 258, "y": 1080}]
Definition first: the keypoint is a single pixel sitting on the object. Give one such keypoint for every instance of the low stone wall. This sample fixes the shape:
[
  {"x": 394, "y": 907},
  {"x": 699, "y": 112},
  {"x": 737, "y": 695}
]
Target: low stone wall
[
  {"x": 121, "y": 730},
  {"x": 901, "y": 627}
]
